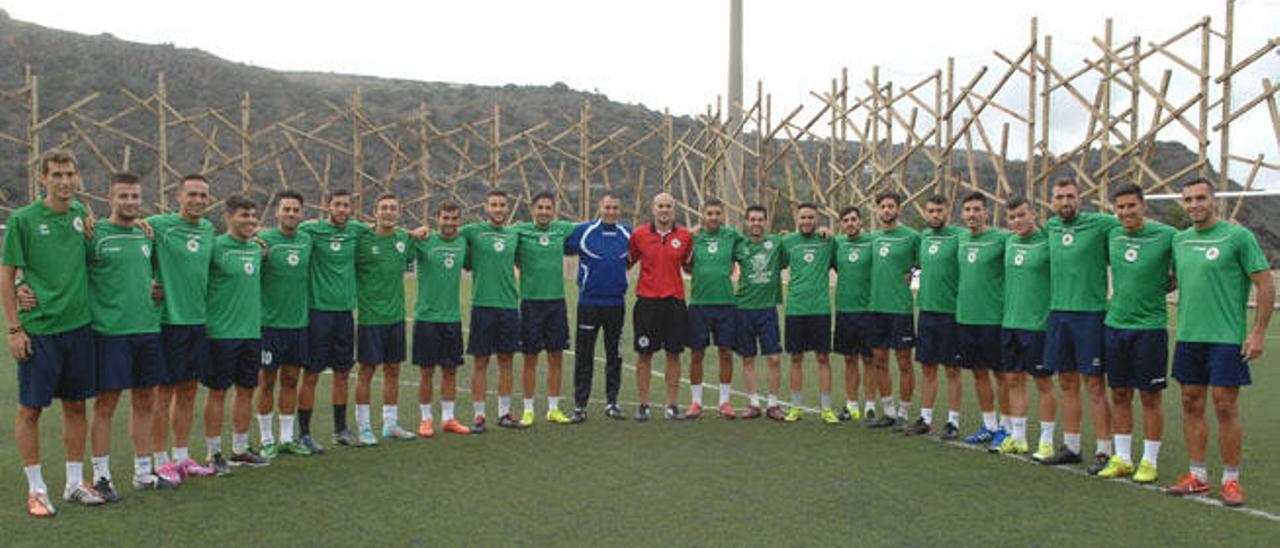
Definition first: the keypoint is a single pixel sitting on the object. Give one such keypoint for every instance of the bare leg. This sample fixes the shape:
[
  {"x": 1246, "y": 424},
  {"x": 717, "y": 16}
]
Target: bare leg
[{"x": 673, "y": 377}]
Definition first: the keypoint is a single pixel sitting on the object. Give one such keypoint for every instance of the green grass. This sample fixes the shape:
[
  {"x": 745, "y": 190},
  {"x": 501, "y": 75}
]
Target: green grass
[{"x": 709, "y": 482}]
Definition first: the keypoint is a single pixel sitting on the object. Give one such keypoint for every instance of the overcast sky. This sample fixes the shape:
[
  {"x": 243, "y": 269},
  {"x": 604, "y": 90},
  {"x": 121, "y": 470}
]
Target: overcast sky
[{"x": 673, "y": 53}]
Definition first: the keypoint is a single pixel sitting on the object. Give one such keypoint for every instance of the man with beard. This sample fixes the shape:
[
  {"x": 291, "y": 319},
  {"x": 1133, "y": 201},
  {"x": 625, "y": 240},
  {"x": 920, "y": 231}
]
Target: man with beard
[
  {"x": 852, "y": 259},
  {"x": 808, "y": 329},
  {"x": 544, "y": 318},
  {"x": 660, "y": 320},
  {"x": 437, "y": 326},
  {"x": 892, "y": 325},
  {"x": 711, "y": 303},
  {"x": 1026, "y": 315},
  {"x": 979, "y": 311},
  {"x": 760, "y": 258},
  {"x": 938, "y": 343}
]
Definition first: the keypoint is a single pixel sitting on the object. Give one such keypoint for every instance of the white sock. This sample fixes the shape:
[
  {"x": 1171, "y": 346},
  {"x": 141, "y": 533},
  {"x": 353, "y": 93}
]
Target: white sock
[
  {"x": 724, "y": 393},
  {"x": 35, "y": 479},
  {"x": 528, "y": 404},
  {"x": 553, "y": 402},
  {"x": 1229, "y": 473},
  {"x": 927, "y": 414},
  {"x": 180, "y": 454},
  {"x": 478, "y": 408},
  {"x": 160, "y": 458},
  {"x": 286, "y": 428},
  {"x": 212, "y": 443},
  {"x": 390, "y": 414},
  {"x": 1019, "y": 429},
  {"x": 427, "y": 414},
  {"x": 75, "y": 473},
  {"x": 887, "y": 405},
  {"x": 240, "y": 442},
  {"x": 1124, "y": 445},
  {"x": 362, "y": 416},
  {"x": 101, "y": 468},
  {"x": 1072, "y": 441},
  {"x": 1006, "y": 423},
  {"x": 1046, "y": 431},
  {"x": 904, "y": 410},
  {"x": 265, "y": 428},
  {"x": 869, "y": 406},
  {"x": 1104, "y": 447},
  {"x": 989, "y": 420},
  {"x": 446, "y": 410},
  {"x": 826, "y": 400},
  {"x": 1151, "y": 451},
  {"x": 755, "y": 400},
  {"x": 697, "y": 393},
  {"x": 504, "y": 405},
  {"x": 773, "y": 400},
  {"x": 1200, "y": 471},
  {"x": 953, "y": 417},
  {"x": 796, "y": 399},
  {"x": 141, "y": 465}
]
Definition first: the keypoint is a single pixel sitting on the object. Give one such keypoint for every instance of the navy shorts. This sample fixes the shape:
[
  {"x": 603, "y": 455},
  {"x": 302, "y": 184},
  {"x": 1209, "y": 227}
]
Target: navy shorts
[
  {"x": 1210, "y": 364},
  {"x": 758, "y": 332},
  {"x": 437, "y": 343},
  {"x": 938, "y": 342},
  {"x": 493, "y": 331},
  {"x": 1022, "y": 351},
  {"x": 330, "y": 340},
  {"x": 1074, "y": 342},
  {"x": 659, "y": 324},
  {"x": 284, "y": 347},
  {"x": 1137, "y": 358},
  {"x": 61, "y": 366},
  {"x": 129, "y": 361},
  {"x": 980, "y": 347},
  {"x": 233, "y": 361},
  {"x": 891, "y": 331},
  {"x": 850, "y": 338},
  {"x": 808, "y": 334},
  {"x": 707, "y": 321},
  {"x": 186, "y": 353},
  {"x": 379, "y": 344},
  {"x": 544, "y": 325}
]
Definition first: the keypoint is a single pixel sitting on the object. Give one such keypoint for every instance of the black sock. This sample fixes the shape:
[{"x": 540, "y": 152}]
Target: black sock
[
  {"x": 339, "y": 418},
  {"x": 304, "y": 421}
]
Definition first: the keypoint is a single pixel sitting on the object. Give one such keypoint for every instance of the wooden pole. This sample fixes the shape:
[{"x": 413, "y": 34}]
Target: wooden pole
[
  {"x": 33, "y": 135},
  {"x": 1224, "y": 136},
  {"x": 246, "y": 180},
  {"x": 1030, "y": 177},
  {"x": 162, "y": 140},
  {"x": 357, "y": 154},
  {"x": 584, "y": 160}
]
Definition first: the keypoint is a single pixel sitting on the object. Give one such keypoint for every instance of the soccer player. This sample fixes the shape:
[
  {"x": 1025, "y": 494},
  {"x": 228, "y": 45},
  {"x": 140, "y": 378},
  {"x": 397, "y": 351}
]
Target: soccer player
[
  {"x": 602, "y": 249},
  {"x": 1026, "y": 315},
  {"x": 235, "y": 335},
  {"x": 711, "y": 304},
  {"x": 1077, "y": 308},
  {"x": 1137, "y": 340},
  {"x": 495, "y": 316},
  {"x": 659, "y": 318},
  {"x": 437, "y": 326},
  {"x": 852, "y": 259},
  {"x": 979, "y": 312},
  {"x": 126, "y": 327},
  {"x": 330, "y": 324},
  {"x": 760, "y": 260},
  {"x": 938, "y": 343},
  {"x": 382, "y": 256},
  {"x": 285, "y": 271},
  {"x": 53, "y": 344},
  {"x": 1216, "y": 262},
  {"x": 544, "y": 318},
  {"x": 891, "y": 325},
  {"x": 183, "y": 251},
  {"x": 808, "y": 308}
]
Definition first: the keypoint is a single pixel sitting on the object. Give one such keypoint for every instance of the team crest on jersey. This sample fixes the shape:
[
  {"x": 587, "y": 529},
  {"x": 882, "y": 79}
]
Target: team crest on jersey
[
  {"x": 1068, "y": 239},
  {"x": 448, "y": 262},
  {"x": 675, "y": 244},
  {"x": 267, "y": 357},
  {"x": 43, "y": 229},
  {"x": 768, "y": 244},
  {"x": 933, "y": 249},
  {"x": 335, "y": 245},
  {"x": 78, "y": 224},
  {"x": 1019, "y": 258},
  {"x": 854, "y": 256},
  {"x": 544, "y": 240},
  {"x": 248, "y": 269},
  {"x": 193, "y": 245},
  {"x": 973, "y": 256},
  {"x": 884, "y": 251},
  {"x": 293, "y": 259},
  {"x": 808, "y": 256},
  {"x": 713, "y": 247},
  {"x": 400, "y": 248},
  {"x": 499, "y": 245},
  {"x": 146, "y": 251},
  {"x": 1211, "y": 253},
  {"x": 1131, "y": 254}
]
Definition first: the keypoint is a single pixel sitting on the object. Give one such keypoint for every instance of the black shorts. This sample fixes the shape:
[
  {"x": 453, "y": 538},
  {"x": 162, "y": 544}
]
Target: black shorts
[
  {"x": 1137, "y": 358},
  {"x": 544, "y": 325},
  {"x": 233, "y": 361},
  {"x": 938, "y": 342},
  {"x": 980, "y": 347},
  {"x": 186, "y": 353},
  {"x": 61, "y": 365},
  {"x": 758, "y": 332},
  {"x": 707, "y": 322},
  {"x": 437, "y": 344},
  {"x": 808, "y": 334},
  {"x": 1022, "y": 351},
  {"x": 493, "y": 331},
  {"x": 659, "y": 324},
  {"x": 891, "y": 331},
  {"x": 850, "y": 338},
  {"x": 284, "y": 347},
  {"x": 331, "y": 337},
  {"x": 129, "y": 361},
  {"x": 379, "y": 344}
]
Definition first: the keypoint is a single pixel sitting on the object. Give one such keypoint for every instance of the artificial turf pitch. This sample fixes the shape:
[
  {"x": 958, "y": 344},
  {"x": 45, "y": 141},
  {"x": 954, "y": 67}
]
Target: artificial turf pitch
[{"x": 709, "y": 482}]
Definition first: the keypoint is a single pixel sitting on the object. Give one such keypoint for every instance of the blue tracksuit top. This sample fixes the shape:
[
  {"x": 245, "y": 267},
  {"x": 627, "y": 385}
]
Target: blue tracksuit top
[{"x": 602, "y": 262}]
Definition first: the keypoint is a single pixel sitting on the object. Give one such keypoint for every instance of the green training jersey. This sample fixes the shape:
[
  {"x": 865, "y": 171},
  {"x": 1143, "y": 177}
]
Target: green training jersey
[
  {"x": 235, "y": 296},
  {"x": 939, "y": 271},
  {"x": 981, "y": 258},
  {"x": 1026, "y": 282},
  {"x": 808, "y": 261},
  {"x": 182, "y": 254},
  {"x": 333, "y": 264},
  {"x": 760, "y": 273},
  {"x": 50, "y": 248},
  {"x": 439, "y": 277},
  {"x": 286, "y": 272},
  {"x": 896, "y": 251},
  {"x": 120, "y": 281},
  {"x": 1078, "y": 262},
  {"x": 491, "y": 256},
  {"x": 1213, "y": 268},
  {"x": 1140, "y": 267},
  {"x": 853, "y": 273},
  {"x": 713, "y": 257},
  {"x": 540, "y": 257},
  {"x": 381, "y": 262}
]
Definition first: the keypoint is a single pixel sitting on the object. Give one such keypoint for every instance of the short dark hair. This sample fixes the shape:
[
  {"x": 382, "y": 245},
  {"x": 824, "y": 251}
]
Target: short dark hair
[
  {"x": 1126, "y": 189},
  {"x": 447, "y": 206},
  {"x": 757, "y": 207},
  {"x": 124, "y": 178},
  {"x": 937, "y": 199},
  {"x": 975, "y": 196},
  {"x": 887, "y": 195},
  {"x": 386, "y": 196},
  {"x": 850, "y": 209},
  {"x": 336, "y": 193},
  {"x": 193, "y": 177},
  {"x": 1200, "y": 181},
  {"x": 288, "y": 194},
  {"x": 544, "y": 195},
  {"x": 607, "y": 196},
  {"x": 495, "y": 192},
  {"x": 236, "y": 202},
  {"x": 57, "y": 156},
  {"x": 807, "y": 205},
  {"x": 1066, "y": 181},
  {"x": 713, "y": 202},
  {"x": 1016, "y": 202}
]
